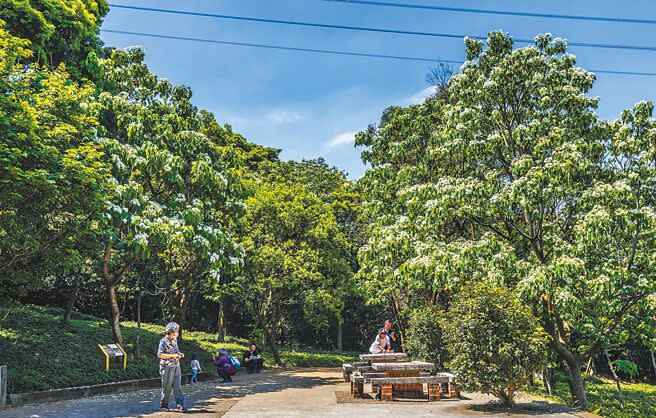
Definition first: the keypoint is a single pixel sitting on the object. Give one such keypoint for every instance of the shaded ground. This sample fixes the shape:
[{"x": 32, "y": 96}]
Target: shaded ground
[{"x": 291, "y": 392}]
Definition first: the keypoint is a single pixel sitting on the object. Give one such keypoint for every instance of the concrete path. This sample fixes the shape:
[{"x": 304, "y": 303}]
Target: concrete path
[{"x": 291, "y": 392}]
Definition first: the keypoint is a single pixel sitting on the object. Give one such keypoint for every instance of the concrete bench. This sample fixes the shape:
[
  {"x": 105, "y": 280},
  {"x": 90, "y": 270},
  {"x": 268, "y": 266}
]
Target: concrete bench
[
  {"x": 347, "y": 369},
  {"x": 357, "y": 385},
  {"x": 371, "y": 375},
  {"x": 360, "y": 363},
  {"x": 435, "y": 384},
  {"x": 363, "y": 369}
]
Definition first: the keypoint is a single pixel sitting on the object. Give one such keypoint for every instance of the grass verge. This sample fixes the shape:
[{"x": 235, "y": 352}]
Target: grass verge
[{"x": 639, "y": 398}]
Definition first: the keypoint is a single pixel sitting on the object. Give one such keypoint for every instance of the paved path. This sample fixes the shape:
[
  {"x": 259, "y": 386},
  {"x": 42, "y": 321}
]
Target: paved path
[{"x": 300, "y": 392}]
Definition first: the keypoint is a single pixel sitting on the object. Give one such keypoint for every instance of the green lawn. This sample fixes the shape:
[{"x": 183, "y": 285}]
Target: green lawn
[
  {"x": 41, "y": 354},
  {"x": 639, "y": 398}
]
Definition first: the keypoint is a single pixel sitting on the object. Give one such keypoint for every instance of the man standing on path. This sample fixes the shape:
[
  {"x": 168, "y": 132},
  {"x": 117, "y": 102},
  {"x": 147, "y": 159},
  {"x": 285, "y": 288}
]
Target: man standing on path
[
  {"x": 169, "y": 368},
  {"x": 391, "y": 336}
]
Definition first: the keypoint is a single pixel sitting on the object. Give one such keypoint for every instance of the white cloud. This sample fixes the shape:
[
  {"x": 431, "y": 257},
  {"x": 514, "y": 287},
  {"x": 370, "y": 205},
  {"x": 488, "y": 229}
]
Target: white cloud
[
  {"x": 281, "y": 117},
  {"x": 419, "y": 96},
  {"x": 343, "y": 138}
]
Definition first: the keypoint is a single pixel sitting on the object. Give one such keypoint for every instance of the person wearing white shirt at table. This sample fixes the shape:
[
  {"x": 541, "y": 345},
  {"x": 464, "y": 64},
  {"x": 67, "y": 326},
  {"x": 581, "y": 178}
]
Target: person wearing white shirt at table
[{"x": 381, "y": 343}]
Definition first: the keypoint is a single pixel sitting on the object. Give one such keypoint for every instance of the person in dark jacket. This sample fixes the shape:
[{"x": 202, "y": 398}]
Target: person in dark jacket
[
  {"x": 252, "y": 359},
  {"x": 224, "y": 366}
]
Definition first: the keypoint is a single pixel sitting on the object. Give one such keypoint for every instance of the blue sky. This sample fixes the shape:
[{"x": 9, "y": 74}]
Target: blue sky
[{"x": 310, "y": 105}]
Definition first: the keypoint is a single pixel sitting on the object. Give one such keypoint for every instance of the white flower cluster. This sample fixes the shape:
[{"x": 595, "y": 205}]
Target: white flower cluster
[
  {"x": 141, "y": 238},
  {"x": 118, "y": 162},
  {"x": 201, "y": 240}
]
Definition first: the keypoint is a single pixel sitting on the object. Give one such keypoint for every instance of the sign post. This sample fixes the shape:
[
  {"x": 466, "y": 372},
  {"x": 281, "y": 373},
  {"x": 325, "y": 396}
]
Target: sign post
[{"x": 112, "y": 356}]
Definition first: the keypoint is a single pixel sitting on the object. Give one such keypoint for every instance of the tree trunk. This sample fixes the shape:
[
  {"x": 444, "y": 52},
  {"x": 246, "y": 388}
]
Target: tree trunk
[
  {"x": 556, "y": 328},
  {"x": 110, "y": 285},
  {"x": 137, "y": 347},
  {"x": 399, "y": 324},
  {"x": 221, "y": 322},
  {"x": 271, "y": 340},
  {"x": 653, "y": 361},
  {"x": 71, "y": 301},
  {"x": 185, "y": 298},
  {"x": 114, "y": 314},
  {"x": 577, "y": 386},
  {"x": 617, "y": 379},
  {"x": 339, "y": 336},
  {"x": 547, "y": 379}
]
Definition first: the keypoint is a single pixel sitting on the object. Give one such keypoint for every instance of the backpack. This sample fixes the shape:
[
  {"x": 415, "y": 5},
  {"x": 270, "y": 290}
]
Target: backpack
[{"x": 234, "y": 361}]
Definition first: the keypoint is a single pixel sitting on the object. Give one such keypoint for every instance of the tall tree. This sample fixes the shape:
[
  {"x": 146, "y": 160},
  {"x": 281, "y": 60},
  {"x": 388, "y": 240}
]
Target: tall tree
[
  {"x": 51, "y": 170},
  {"x": 172, "y": 189},
  {"x": 60, "y": 31},
  {"x": 288, "y": 234}
]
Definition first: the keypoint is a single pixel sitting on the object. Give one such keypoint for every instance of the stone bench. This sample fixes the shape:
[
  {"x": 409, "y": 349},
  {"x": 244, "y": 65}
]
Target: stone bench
[
  {"x": 347, "y": 369},
  {"x": 435, "y": 384},
  {"x": 371, "y": 375},
  {"x": 357, "y": 385},
  {"x": 360, "y": 363}
]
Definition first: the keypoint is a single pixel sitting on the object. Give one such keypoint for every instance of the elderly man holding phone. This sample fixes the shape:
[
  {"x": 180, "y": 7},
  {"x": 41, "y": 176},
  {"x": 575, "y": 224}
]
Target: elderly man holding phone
[
  {"x": 391, "y": 336},
  {"x": 169, "y": 368}
]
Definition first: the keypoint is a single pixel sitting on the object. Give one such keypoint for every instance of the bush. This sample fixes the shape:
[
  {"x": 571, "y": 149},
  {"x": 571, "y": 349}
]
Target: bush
[
  {"x": 424, "y": 338},
  {"x": 494, "y": 341}
]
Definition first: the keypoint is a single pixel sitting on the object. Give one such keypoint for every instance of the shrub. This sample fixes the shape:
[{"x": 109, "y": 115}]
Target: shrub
[
  {"x": 424, "y": 336},
  {"x": 494, "y": 341}
]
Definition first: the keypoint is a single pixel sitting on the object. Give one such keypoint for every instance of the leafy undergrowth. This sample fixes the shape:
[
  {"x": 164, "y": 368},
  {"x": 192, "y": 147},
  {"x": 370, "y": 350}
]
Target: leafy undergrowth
[
  {"x": 639, "y": 398},
  {"x": 41, "y": 354}
]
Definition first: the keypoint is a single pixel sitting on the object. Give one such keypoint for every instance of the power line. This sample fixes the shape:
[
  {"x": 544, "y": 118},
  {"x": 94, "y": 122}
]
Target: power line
[
  {"x": 334, "y": 52},
  {"x": 367, "y": 29},
  {"x": 283, "y": 47},
  {"x": 498, "y": 12}
]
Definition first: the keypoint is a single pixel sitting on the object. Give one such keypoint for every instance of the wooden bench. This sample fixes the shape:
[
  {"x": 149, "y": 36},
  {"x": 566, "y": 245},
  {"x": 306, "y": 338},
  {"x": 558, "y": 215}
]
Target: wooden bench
[
  {"x": 347, "y": 369},
  {"x": 357, "y": 385},
  {"x": 435, "y": 384}
]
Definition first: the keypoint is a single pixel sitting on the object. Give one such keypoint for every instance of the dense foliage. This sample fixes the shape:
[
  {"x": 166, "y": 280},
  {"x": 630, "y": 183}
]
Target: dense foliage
[
  {"x": 509, "y": 177},
  {"x": 494, "y": 341},
  {"x": 120, "y": 198}
]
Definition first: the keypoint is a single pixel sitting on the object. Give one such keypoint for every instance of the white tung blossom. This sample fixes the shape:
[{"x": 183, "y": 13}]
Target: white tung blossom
[{"x": 141, "y": 238}]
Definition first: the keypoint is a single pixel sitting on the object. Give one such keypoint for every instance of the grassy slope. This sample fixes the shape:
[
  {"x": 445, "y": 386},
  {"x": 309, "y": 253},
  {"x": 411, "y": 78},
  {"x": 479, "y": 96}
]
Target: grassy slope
[
  {"x": 42, "y": 355},
  {"x": 639, "y": 398}
]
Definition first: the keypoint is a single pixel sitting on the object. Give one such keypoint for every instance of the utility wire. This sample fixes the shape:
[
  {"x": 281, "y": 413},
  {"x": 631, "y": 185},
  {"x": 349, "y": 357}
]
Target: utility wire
[
  {"x": 335, "y": 52},
  {"x": 498, "y": 12},
  {"x": 283, "y": 47},
  {"x": 367, "y": 29}
]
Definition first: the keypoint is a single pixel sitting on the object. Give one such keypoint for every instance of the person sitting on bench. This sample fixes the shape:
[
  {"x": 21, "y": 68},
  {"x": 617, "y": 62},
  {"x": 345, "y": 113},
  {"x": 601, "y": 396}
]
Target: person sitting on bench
[
  {"x": 381, "y": 343},
  {"x": 252, "y": 360}
]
